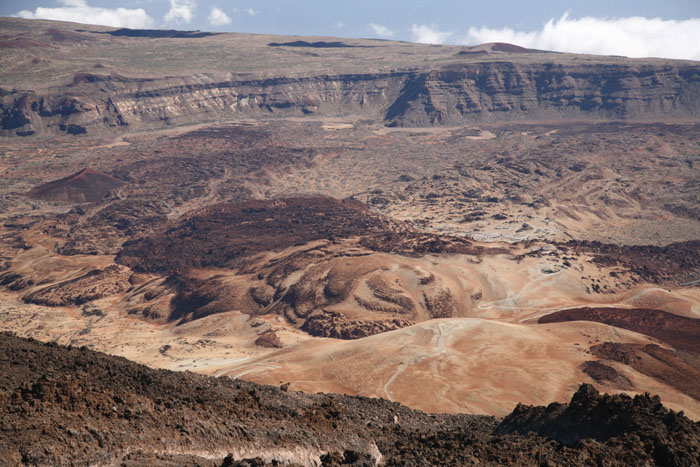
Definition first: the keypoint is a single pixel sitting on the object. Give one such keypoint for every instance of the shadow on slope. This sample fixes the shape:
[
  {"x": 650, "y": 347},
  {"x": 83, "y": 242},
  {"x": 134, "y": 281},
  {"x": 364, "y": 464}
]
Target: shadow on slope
[{"x": 84, "y": 186}]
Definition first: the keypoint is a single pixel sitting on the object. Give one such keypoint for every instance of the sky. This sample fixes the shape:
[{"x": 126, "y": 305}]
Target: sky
[{"x": 633, "y": 28}]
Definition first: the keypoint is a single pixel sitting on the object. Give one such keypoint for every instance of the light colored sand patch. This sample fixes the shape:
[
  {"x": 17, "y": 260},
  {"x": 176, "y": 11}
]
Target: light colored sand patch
[
  {"x": 115, "y": 144},
  {"x": 683, "y": 302},
  {"x": 453, "y": 365},
  {"x": 434, "y": 130},
  {"x": 203, "y": 346},
  {"x": 330, "y": 126},
  {"x": 203, "y": 365},
  {"x": 485, "y": 134}
]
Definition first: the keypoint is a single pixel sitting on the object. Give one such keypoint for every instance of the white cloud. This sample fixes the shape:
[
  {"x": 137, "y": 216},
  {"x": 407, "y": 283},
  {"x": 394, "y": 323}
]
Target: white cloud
[
  {"x": 73, "y": 2},
  {"x": 381, "y": 31},
  {"x": 429, "y": 34},
  {"x": 632, "y": 37},
  {"x": 250, "y": 11},
  {"x": 78, "y": 11},
  {"x": 217, "y": 17},
  {"x": 339, "y": 24},
  {"x": 181, "y": 11}
]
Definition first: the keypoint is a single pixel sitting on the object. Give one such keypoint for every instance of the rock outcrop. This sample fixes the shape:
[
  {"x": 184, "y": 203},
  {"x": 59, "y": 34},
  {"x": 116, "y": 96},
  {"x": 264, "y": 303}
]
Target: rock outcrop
[
  {"x": 543, "y": 91},
  {"x": 640, "y": 421},
  {"x": 449, "y": 95}
]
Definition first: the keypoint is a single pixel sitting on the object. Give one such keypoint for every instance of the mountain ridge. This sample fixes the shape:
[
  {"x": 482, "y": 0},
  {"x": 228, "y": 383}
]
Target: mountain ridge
[{"x": 456, "y": 85}]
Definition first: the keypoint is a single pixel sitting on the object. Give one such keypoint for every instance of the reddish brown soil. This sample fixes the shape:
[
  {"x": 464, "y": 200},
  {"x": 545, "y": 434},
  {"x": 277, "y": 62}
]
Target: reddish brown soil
[
  {"x": 678, "y": 331},
  {"x": 657, "y": 362},
  {"x": 87, "y": 185}
]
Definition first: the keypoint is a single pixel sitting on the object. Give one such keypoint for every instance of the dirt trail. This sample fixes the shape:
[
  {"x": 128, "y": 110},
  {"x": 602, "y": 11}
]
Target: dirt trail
[{"x": 438, "y": 336}]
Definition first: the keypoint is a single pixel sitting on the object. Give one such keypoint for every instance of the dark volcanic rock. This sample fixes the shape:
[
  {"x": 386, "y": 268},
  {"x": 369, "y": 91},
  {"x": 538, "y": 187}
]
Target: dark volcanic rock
[
  {"x": 313, "y": 45},
  {"x": 676, "y": 369},
  {"x": 156, "y": 33},
  {"x": 70, "y": 406},
  {"x": 502, "y": 91},
  {"x": 269, "y": 339},
  {"x": 675, "y": 263},
  {"x": 335, "y": 325},
  {"x": 640, "y": 424},
  {"x": 453, "y": 94},
  {"x": 603, "y": 373},
  {"x": 87, "y": 185},
  {"x": 218, "y": 235}
]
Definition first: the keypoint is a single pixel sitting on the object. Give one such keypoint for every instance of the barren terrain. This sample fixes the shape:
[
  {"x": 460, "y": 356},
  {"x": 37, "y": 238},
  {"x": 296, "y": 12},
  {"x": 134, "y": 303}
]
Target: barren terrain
[
  {"x": 456, "y": 229},
  {"x": 67, "y": 406}
]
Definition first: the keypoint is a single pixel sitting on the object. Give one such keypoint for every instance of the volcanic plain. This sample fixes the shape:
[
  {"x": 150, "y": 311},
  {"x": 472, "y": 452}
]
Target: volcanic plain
[{"x": 458, "y": 229}]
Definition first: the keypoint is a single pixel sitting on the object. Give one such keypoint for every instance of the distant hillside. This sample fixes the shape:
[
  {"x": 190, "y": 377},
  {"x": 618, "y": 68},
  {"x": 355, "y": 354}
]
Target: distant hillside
[{"x": 400, "y": 84}]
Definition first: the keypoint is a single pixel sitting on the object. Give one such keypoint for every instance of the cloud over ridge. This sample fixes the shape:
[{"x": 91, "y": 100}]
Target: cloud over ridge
[
  {"x": 217, "y": 17},
  {"x": 380, "y": 30},
  {"x": 632, "y": 36},
  {"x": 181, "y": 11},
  {"x": 78, "y": 11},
  {"x": 429, "y": 34}
]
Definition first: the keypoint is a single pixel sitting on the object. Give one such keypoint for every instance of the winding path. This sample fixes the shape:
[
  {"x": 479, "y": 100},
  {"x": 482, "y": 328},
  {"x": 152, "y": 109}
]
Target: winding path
[{"x": 441, "y": 349}]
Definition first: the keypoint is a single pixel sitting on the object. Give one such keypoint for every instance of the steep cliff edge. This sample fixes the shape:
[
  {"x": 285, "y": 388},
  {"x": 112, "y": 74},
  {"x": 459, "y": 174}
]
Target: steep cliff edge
[
  {"x": 101, "y": 81},
  {"x": 479, "y": 92},
  {"x": 545, "y": 91},
  {"x": 95, "y": 102}
]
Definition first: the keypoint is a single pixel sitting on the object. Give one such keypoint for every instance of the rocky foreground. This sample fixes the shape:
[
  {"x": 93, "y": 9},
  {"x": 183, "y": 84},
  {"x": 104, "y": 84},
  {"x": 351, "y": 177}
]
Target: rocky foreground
[{"x": 72, "y": 406}]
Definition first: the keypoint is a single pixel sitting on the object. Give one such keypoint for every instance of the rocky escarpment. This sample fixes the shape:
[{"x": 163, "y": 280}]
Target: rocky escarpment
[
  {"x": 93, "y": 103},
  {"x": 509, "y": 91},
  {"x": 454, "y": 94}
]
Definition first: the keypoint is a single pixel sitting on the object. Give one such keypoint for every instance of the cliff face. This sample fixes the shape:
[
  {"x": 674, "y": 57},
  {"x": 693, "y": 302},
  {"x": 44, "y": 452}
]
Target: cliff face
[
  {"x": 93, "y": 103},
  {"x": 507, "y": 91},
  {"x": 480, "y": 92}
]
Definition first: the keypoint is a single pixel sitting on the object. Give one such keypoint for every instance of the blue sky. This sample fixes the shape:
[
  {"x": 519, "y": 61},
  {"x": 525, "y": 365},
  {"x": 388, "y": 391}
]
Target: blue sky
[{"x": 668, "y": 28}]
